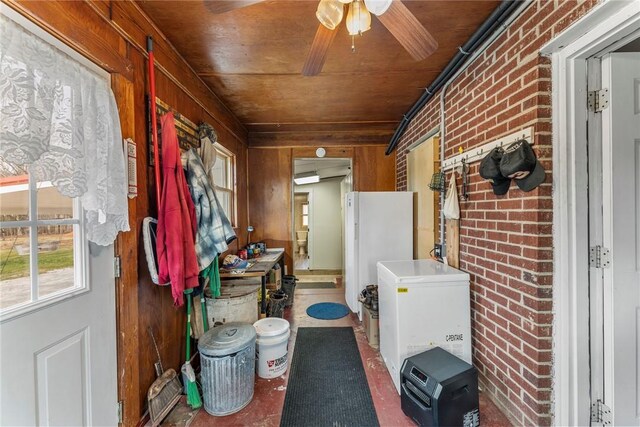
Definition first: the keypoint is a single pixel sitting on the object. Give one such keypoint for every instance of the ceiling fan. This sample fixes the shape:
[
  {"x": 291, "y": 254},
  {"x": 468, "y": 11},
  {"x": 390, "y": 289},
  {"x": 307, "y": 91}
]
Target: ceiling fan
[{"x": 393, "y": 14}]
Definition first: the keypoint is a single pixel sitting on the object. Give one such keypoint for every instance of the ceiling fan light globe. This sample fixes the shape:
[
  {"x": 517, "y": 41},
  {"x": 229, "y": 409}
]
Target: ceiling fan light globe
[
  {"x": 358, "y": 18},
  {"x": 329, "y": 13},
  {"x": 377, "y": 7}
]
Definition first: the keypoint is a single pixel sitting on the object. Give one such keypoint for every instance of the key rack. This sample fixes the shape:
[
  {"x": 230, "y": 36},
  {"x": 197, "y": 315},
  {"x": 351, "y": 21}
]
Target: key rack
[{"x": 478, "y": 153}]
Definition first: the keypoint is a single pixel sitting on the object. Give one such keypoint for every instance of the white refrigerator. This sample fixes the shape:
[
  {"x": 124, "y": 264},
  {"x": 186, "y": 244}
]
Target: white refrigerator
[
  {"x": 422, "y": 304},
  {"x": 378, "y": 227}
]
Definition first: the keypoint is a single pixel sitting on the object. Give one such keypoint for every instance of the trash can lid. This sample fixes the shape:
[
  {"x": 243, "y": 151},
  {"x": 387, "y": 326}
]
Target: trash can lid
[
  {"x": 227, "y": 339},
  {"x": 271, "y": 326}
]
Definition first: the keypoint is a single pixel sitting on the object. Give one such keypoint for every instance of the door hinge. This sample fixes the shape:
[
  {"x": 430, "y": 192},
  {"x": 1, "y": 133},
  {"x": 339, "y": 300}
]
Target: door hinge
[
  {"x": 117, "y": 269},
  {"x": 599, "y": 257},
  {"x": 120, "y": 412},
  {"x": 598, "y": 100},
  {"x": 600, "y": 413}
]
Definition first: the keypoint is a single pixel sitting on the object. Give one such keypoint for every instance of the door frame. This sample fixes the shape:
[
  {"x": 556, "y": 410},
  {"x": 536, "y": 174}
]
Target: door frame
[
  {"x": 595, "y": 33},
  {"x": 298, "y": 153}
]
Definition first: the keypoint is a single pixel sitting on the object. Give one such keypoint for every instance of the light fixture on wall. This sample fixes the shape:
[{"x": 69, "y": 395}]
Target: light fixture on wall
[
  {"x": 306, "y": 178},
  {"x": 249, "y": 230}
]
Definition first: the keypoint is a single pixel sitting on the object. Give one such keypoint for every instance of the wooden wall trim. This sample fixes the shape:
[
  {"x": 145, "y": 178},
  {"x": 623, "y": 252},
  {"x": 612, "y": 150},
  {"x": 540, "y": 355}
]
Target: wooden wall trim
[
  {"x": 331, "y": 152},
  {"x": 126, "y": 248},
  {"x": 359, "y": 126},
  {"x": 319, "y": 139}
]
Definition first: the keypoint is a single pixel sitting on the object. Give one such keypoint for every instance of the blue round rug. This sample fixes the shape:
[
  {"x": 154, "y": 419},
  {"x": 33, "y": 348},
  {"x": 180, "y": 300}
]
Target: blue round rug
[{"x": 327, "y": 310}]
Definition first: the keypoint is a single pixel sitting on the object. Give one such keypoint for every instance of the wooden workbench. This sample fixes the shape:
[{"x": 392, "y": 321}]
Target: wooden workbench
[{"x": 260, "y": 268}]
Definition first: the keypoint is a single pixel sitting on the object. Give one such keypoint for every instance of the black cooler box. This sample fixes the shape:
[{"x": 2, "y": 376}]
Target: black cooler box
[{"x": 439, "y": 389}]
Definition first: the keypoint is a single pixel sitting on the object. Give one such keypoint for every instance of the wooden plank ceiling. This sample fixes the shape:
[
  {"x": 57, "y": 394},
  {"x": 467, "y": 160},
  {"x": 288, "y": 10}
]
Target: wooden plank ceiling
[{"x": 252, "y": 58}]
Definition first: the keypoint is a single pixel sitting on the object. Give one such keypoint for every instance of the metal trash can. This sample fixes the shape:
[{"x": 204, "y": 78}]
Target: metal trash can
[
  {"x": 227, "y": 360},
  {"x": 289, "y": 286}
]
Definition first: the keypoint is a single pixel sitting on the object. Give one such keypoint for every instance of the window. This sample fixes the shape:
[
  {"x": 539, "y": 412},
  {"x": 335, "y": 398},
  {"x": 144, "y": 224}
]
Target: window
[
  {"x": 223, "y": 176},
  {"x": 305, "y": 214},
  {"x": 41, "y": 250}
]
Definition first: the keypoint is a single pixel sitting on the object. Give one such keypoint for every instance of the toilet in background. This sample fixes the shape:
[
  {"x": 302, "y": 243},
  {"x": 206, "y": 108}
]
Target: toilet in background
[{"x": 301, "y": 238}]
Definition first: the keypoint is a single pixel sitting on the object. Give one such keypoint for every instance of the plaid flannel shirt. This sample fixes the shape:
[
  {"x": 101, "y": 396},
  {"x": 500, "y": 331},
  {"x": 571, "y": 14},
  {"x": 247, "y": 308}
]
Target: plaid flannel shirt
[{"x": 214, "y": 230}]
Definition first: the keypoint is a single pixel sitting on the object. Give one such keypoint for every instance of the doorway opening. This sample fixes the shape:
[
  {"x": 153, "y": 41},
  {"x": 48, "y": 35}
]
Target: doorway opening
[
  {"x": 319, "y": 187},
  {"x": 422, "y": 161}
]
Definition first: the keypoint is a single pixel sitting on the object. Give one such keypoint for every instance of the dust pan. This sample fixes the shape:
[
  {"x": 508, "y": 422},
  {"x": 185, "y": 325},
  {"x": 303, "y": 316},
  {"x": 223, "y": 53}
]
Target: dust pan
[
  {"x": 165, "y": 391},
  {"x": 163, "y": 395}
]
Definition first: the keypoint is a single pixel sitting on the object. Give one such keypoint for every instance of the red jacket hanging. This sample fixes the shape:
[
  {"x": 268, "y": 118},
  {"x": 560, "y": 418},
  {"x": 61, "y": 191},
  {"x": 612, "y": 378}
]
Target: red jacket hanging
[{"x": 177, "y": 260}]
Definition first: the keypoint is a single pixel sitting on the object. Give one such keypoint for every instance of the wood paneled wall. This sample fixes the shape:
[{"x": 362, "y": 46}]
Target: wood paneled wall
[
  {"x": 112, "y": 34},
  {"x": 270, "y": 189}
]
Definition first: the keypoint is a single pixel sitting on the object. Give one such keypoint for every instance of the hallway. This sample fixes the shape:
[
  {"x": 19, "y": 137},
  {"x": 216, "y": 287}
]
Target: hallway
[{"x": 266, "y": 407}]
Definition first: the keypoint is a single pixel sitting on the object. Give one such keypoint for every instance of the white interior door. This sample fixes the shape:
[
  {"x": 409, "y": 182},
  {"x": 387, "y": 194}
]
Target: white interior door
[
  {"x": 621, "y": 235},
  {"x": 351, "y": 255}
]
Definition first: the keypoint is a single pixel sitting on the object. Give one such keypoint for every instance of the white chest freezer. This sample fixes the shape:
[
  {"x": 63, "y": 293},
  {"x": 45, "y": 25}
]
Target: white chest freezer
[{"x": 422, "y": 304}]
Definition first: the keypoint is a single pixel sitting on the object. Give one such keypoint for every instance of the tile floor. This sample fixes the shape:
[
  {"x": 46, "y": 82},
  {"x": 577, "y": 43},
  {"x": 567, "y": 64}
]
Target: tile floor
[{"x": 266, "y": 407}]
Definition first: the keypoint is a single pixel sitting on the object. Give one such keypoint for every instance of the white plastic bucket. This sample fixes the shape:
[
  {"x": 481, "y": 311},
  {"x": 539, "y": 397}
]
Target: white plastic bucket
[{"x": 271, "y": 346}]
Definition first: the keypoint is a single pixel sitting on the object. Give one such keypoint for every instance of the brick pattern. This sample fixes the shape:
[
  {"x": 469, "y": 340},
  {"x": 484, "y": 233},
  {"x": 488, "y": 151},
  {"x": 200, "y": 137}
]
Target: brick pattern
[{"x": 506, "y": 241}]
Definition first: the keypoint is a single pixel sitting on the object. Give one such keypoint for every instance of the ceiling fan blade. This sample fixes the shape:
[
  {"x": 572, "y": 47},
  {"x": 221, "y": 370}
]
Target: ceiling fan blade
[
  {"x": 318, "y": 52},
  {"x": 222, "y": 6},
  {"x": 406, "y": 28}
]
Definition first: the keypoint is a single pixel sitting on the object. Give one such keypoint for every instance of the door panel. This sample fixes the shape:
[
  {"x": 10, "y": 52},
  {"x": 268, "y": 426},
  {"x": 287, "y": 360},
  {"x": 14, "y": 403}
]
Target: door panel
[
  {"x": 351, "y": 256},
  {"x": 621, "y": 228},
  {"x": 62, "y": 385},
  {"x": 58, "y": 363}
]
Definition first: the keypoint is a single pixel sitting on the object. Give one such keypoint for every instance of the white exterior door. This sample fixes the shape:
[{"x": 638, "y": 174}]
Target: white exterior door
[
  {"x": 57, "y": 302},
  {"x": 621, "y": 236}
]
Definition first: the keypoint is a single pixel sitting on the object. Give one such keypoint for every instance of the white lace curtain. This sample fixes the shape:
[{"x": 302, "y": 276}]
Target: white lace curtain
[{"x": 60, "y": 119}]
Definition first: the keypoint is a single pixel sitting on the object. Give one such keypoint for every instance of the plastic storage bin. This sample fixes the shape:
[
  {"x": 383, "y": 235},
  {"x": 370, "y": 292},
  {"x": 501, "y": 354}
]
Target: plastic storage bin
[{"x": 227, "y": 359}]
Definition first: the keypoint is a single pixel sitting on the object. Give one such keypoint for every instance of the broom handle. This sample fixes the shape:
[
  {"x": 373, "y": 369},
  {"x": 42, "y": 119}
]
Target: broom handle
[
  {"x": 154, "y": 119},
  {"x": 203, "y": 309},
  {"x": 188, "y": 325}
]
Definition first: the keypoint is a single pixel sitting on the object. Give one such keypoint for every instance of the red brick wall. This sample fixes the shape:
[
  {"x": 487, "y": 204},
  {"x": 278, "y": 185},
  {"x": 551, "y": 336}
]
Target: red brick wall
[{"x": 506, "y": 241}]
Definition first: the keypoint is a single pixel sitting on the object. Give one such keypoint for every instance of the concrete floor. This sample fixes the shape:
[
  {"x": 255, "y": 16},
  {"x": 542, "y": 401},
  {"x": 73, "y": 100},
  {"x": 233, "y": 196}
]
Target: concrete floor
[{"x": 266, "y": 407}]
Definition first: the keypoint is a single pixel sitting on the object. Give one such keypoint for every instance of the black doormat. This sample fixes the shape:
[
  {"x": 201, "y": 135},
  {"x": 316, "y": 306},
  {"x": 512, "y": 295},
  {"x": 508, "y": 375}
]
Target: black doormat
[{"x": 327, "y": 383}]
